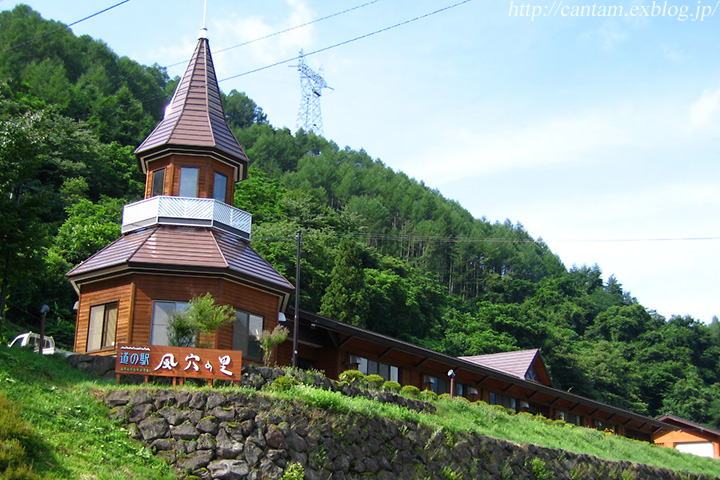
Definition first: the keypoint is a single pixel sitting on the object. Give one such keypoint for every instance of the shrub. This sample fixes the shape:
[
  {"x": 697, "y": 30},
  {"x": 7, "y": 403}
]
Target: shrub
[
  {"x": 444, "y": 395},
  {"x": 539, "y": 468},
  {"x": 270, "y": 339},
  {"x": 352, "y": 377},
  {"x": 410, "y": 391},
  {"x": 374, "y": 381},
  {"x": 391, "y": 386},
  {"x": 295, "y": 471},
  {"x": 428, "y": 395},
  {"x": 284, "y": 383}
]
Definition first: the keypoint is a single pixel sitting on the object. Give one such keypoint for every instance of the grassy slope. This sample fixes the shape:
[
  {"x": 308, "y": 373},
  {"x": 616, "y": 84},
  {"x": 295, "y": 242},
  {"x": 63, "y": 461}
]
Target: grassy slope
[{"x": 69, "y": 435}]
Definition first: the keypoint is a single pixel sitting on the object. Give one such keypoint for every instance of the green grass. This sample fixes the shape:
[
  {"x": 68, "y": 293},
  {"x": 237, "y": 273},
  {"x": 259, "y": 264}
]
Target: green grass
[
  {"x": 460, "y": 416},
  {"x": 53, "y": 425},
  {"x": 65, "y": 429}
]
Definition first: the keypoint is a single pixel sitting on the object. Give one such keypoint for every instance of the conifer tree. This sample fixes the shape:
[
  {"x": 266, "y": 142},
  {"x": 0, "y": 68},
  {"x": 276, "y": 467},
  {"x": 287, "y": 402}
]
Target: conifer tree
[{"x": 343, "y": 299}]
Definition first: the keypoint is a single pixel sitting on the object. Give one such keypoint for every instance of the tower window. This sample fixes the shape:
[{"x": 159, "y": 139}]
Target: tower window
[
  {"x": 188, "y": 181},
  {"x": 220, "y": 187},
  {"x": 158, "y": 182}
]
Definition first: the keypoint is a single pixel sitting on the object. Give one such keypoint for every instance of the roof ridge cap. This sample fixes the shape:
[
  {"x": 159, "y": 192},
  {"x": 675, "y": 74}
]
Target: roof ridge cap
[{"x": 151, "y": 231}]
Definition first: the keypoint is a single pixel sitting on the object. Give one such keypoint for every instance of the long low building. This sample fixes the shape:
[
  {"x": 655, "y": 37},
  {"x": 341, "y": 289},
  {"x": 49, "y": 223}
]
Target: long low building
[{"x": 516, "y": 380}]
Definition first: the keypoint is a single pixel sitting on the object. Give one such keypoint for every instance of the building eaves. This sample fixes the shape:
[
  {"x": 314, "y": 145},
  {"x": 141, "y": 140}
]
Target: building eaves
[
  {"x": 687, "y": 425},
  {"x": 457, "y": 363}
]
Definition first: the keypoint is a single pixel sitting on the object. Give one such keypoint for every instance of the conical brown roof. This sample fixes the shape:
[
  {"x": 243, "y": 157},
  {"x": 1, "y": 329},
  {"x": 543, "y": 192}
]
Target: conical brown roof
[{"x": 195, "y": 119}]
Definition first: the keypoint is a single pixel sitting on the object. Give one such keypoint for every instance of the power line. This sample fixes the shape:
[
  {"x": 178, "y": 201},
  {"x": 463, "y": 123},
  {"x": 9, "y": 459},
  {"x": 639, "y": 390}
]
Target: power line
[
  {"x": 310, "y": 53},
  {"x": 442, "y": 239},
  {"x": 348, "y": 41},
  {"x": 62, "y": 28},
  {"x": 282, "y": 31}
]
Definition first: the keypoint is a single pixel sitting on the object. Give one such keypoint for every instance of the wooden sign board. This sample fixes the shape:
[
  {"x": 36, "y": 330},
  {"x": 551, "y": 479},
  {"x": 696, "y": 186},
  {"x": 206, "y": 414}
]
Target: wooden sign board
[{"x": 179, "y": 362}]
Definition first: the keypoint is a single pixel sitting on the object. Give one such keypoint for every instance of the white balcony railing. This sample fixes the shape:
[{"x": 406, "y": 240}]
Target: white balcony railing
[{"x": 186, "y": 211}]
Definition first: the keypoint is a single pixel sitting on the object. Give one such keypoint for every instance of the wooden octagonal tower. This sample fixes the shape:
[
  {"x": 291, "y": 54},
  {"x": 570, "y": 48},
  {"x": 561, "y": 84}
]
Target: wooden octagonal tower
[{"x": 185, "y": 238}]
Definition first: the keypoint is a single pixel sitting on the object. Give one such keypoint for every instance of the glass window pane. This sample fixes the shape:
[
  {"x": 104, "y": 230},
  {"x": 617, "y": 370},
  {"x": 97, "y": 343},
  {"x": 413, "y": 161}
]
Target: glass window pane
[
  {"x": 459, "y": 390},
  {"x": 95, "y": 328},
  {"x": 161, "y": 314},
  {"x": 395, "y": 374},
  {"x": 363, "y": 365},
  {"x": 158, "y": 182},
  {"x": 384, "y": 371},
  {"x": 188, "y": 181},
  {"x": 240, "y": 331},
  {"x": 254, "y": 352},
  {"x": 111, "y": 311},
  {"x": 372, "y": 367},
  {"x": 220, "y": 187}
]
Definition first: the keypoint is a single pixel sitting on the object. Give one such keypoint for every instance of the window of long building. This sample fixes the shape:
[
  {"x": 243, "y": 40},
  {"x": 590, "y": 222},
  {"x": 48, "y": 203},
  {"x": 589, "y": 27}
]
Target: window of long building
[
  {"x": 437, "y": 385},
  {"x": 505, "y": 401},
  {"x": 570, "y": 418},
  {"x": 372, "y": 367},
  {"x": 604, "y": 426}
]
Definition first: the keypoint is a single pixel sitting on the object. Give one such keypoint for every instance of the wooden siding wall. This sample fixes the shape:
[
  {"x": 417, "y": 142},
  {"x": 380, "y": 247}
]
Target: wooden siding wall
[
  {"x": 152, "y": 287},
  {"x": 151, "y": 168},
  {"x": 671, "y": 439},
  {"x": 206, "y": 177},
  {"x": 250, "y": 300},
  {"x": 98, "y": 293}
]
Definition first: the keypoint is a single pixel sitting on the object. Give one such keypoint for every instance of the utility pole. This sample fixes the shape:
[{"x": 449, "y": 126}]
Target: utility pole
[
  {"x": 296, "y": 322},
  {"x": 311, "y": 84}
]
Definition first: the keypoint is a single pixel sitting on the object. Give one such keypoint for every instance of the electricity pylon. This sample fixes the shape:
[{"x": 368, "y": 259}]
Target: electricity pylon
[{"x": 311, "y": 83}]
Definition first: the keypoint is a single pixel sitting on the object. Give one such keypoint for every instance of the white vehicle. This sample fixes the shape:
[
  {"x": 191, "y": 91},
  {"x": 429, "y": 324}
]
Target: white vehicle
[{"x": 31, "y": 339}]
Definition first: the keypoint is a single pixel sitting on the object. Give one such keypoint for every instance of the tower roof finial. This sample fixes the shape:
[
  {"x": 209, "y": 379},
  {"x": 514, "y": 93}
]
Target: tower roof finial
[{"x": 203, "y": 29}]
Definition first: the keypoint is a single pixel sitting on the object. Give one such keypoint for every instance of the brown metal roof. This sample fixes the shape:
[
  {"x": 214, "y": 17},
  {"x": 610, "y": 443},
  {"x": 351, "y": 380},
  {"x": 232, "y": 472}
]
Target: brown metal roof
[
  {"x": 515, "y": 363},
  {"x": 191, "y": 250},
  {"x": 688, "y": 426},
  {"x": 195, "y": 120}
]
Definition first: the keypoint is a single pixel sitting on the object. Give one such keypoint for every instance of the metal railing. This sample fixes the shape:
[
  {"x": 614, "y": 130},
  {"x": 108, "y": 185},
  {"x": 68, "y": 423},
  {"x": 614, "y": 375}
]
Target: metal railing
[{"x": 186, "y": 211}]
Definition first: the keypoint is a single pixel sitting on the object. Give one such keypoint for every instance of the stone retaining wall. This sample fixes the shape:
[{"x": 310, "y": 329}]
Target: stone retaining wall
[{"x": 213, "y": 435}]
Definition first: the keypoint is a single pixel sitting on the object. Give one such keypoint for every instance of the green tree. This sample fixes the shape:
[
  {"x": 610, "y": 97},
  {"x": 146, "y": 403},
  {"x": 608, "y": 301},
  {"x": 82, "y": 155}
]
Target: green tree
[
  {"x": 241, "y": 111},
  {"x": 202, "y": 317},
  {"x": 22, "y": 200},
  {"x": 690, "y": 398},
  {"x": 344, "y": 299}
]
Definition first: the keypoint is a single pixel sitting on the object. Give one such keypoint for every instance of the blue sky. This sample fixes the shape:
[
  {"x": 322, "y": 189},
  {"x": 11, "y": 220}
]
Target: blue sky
[{"x": 597, "y": 133}]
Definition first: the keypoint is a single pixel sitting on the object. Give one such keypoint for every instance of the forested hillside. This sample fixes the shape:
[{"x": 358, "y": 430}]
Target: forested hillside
[{"x": 380, "y": 250}]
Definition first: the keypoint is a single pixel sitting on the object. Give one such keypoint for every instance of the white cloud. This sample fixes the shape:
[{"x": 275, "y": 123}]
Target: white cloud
[
  {"x": 705, "y": 113},
  {"x": 237, "y": 29}
]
